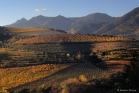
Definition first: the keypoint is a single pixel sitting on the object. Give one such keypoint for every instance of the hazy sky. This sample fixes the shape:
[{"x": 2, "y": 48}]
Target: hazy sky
[{"x": 12, "y": 10}]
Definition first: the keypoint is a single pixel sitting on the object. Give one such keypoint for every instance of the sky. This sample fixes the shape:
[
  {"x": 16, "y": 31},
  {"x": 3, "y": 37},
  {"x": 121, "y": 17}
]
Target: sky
[{"x": 13, "y": 10}]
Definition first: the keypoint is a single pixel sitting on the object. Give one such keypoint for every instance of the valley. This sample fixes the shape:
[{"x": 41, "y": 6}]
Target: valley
[
  {"x": 92, "y": 53},
  {"x": 32, "y": 60}
]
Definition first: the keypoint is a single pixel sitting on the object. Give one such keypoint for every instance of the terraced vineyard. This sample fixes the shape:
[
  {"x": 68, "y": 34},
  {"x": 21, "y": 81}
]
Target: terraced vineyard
[
  {"x": 105, "y": 48},
  {"x": 13, "y": 77},
  {"x": 115, "y": 45},
  {"x": 73, "y": 71},
  {"x": 13, "y": 58},
  {"x": 69, "y": 38},
  {"x": 31, "y": 57}
]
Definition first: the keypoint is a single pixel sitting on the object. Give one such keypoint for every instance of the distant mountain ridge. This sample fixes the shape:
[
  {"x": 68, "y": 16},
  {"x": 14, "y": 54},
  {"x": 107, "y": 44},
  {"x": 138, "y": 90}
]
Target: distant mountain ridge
[
  {"x": 61, "y": 22},
  {"x": 97, "y": 23},
  {"x": 127, "y": 25}
]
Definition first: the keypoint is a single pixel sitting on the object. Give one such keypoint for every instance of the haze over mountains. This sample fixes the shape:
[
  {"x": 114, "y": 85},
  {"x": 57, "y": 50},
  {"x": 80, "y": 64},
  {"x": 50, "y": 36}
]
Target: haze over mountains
[
  {"x": 97, "y": 23},
  {"x": 61, "y": 22}
]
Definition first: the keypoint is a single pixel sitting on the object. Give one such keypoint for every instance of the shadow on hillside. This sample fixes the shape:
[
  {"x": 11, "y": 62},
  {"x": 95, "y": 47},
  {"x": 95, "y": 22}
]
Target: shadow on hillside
[
  {"x": 79, "y": 51},
  {"x": 85, "y": 49},
  {"x": 5, "y": 34},
  {"x": 88, "y": 66},
  {"x": 3, "y": 56},
  {"x": 75, "y": 47}
]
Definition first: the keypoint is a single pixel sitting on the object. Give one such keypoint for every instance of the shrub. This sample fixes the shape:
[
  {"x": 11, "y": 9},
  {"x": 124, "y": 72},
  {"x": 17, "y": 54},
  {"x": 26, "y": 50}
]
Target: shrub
[{"x": 83, "y": 78}]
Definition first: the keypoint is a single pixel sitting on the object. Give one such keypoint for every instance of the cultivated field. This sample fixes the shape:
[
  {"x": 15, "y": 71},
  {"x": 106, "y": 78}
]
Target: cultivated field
[
  {"x": 69, "y": 38},
  {"x": 73, "y": 71},
  {"x": 34, "y": 57},
  {"x": 13, "y": 77}
]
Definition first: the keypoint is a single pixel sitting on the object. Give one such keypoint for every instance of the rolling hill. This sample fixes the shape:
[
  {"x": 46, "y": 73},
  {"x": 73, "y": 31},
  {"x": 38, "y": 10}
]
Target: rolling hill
[{"x": 7, "y": 32}]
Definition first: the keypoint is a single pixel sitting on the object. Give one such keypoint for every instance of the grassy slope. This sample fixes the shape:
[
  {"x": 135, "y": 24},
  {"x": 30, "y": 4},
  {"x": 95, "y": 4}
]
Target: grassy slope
[
  {"x": 26, "y": 29},
  {"x": 35, "y": 33}
]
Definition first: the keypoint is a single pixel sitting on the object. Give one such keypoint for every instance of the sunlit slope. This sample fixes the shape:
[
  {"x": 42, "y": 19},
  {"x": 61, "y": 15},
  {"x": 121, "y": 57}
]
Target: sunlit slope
[
  {"x": 26, "y": 29},
  {"x": 29, "y": 31},
  {"x": 12, "y": 77},
  {"x": 70, "y": 38},
  {"x": 73, "y": 71}
]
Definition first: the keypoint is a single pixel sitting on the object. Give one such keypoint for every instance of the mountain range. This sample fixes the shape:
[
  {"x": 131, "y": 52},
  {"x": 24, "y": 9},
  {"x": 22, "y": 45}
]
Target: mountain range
[
  {"x": 127, "y": 25},
  {"x": 96, "y": 23},
  {"x": 61, "y": 22}
]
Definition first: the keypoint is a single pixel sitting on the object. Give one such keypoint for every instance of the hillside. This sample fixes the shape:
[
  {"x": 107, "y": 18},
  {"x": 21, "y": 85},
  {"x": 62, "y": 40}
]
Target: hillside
[
  {"x": 30, "y": 58},
  {"x": 31, "y": 62},
  {"x": 13, "y": 77},
  {"x": 61, "y": 38},
  {"x": 86, "y": 29},
  {"x": 61, "y": 22},
  {"x": 73, "y": 71},
  {"x": 9, "y": 32},
  {"x": 127, "y": 25}
]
